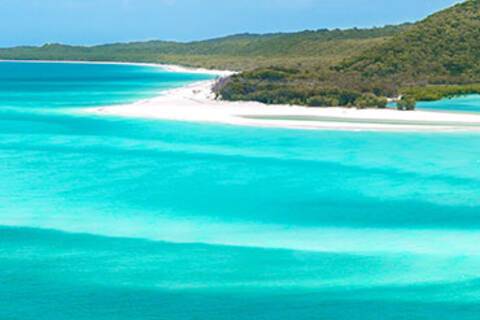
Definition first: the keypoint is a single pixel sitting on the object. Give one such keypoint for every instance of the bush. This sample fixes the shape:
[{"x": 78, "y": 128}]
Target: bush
[
  {"x": 323, "y": 101},
  {"x": 268, "y": 74},
  {"x": 407, "y": 103},
  {"x": 369, "y": 100}
]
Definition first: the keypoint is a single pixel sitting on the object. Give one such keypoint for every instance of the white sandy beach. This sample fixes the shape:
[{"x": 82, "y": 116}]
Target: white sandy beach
[{"x": 197, "y": 103}]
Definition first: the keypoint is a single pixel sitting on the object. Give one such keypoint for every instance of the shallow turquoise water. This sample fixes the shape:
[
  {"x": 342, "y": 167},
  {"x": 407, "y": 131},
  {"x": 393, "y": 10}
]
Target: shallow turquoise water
[
  {"x": 60, "y": 85},
  {"x": 107, "y": 218},
  {"x": 468, "y": 103}
]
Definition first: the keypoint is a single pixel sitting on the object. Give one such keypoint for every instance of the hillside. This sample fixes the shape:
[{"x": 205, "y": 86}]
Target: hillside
[
  {"x": 436, "y": 57},
  {"x": 238, "y": 52},
  {"x": 442, "y": 49}
]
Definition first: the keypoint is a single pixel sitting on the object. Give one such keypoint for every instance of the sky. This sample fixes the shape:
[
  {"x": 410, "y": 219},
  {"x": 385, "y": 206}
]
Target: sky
[{"x": 87, "y": 22}]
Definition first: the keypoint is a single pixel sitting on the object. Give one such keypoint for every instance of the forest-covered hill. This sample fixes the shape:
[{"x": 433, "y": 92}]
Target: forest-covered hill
[
  {"x": 436, "y": 57},
  {"x": 238, "y": 52}
]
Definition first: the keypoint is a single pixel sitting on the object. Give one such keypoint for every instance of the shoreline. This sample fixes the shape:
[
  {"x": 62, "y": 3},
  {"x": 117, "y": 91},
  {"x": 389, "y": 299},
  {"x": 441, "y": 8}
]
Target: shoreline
[{"x": 196, "y": 102}]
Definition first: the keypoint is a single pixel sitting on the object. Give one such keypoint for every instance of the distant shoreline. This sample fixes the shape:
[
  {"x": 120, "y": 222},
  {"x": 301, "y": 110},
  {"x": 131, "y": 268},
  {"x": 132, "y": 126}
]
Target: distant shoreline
[{"x": 167, "y": 67}]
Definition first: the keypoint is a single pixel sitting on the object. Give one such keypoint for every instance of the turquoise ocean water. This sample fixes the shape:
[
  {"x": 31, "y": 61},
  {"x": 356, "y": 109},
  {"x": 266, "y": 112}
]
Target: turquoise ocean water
[
  {"x": 109, "y": 218},
  {"x": 469, "y": 103}
]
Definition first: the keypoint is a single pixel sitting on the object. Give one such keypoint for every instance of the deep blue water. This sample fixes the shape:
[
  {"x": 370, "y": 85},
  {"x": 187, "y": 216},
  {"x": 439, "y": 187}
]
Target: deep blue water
[{"x": 107, "y": 218}]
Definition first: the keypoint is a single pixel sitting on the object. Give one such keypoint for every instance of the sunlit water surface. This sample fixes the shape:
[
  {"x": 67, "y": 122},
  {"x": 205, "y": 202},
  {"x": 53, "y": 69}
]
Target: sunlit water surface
[{"x": 107, "y": 218}]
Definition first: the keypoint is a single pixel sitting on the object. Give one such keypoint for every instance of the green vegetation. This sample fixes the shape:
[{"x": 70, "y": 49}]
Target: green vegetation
[
  {"x": 442, "y": 49},
  {"x": 275, "y": 85},
  {"x": 315, "y": 86},
  {"x": 239, "y": 52},
  {"x": 369, "y": 100}
]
